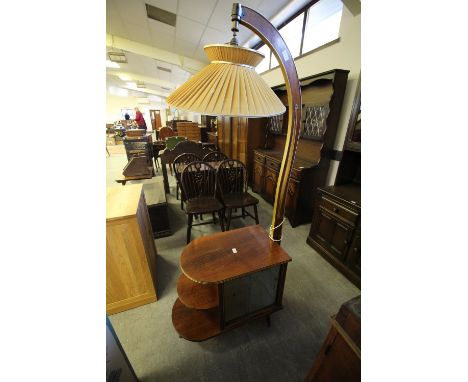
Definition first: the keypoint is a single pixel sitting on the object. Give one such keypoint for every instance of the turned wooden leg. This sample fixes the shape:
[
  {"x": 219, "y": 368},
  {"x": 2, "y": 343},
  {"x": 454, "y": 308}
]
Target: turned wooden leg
[
  {"x": 189, "y": 226},
  {"x": 256, "y": 214},
  {"x": 243, "y": 213},
  {"x": 229, "y": 219},
  {"x": 214, "y": 218},
  {"x": 221, "y": 219},
  {"x": 177, "y": 191}
]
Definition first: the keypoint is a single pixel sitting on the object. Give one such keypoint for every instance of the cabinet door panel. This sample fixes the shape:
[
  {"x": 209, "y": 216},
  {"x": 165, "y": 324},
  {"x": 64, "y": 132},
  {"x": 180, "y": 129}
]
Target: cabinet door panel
[
  {"x": 271, "y": 178},
  {"x": 258, "y": 178},
  {"x": 332, "y": 234},
  {"x": 354, "y": 254}
]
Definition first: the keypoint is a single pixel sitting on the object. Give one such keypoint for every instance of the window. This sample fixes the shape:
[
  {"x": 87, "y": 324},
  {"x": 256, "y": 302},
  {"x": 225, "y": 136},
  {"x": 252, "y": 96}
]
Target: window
[
  {"x": 265, "y": 63},
  {"x": 322, "y": 25},
  {"x": 292, "y": 35}
]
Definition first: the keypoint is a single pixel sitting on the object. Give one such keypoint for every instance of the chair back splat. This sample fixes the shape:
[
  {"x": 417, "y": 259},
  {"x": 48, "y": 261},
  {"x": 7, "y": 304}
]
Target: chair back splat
[
  {"x": 232, "y": 177},
  {"x": 214, "y": 156},
  {"x": 198, "y": 179}
]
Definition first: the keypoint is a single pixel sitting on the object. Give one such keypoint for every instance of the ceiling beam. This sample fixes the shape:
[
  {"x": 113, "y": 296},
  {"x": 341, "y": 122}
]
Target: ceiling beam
[{"x": 186, "y": 63}]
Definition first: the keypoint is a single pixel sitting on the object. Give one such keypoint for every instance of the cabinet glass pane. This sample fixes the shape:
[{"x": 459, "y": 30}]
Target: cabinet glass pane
[{"x": 250, "y": 293}]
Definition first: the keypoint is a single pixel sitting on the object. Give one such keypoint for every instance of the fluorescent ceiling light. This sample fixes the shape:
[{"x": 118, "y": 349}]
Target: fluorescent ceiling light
[
  {"x": 111, "y": 64},
  {"x": 123, "y": 77},
  {"x": 131, "y": 85}
]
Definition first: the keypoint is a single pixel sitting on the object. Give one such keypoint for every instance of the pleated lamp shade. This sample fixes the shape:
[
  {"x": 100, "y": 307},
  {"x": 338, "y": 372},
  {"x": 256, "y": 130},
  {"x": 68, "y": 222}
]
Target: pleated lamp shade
[{"x": 228, "y": 86}]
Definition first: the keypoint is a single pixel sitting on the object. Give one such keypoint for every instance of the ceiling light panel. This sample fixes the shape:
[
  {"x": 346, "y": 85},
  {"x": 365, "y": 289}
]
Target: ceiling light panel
[{"x": 117, "y": 57}]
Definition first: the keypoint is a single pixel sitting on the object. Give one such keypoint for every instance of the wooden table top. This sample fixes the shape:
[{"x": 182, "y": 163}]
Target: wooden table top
[
  {"x": 210, "y": 259},
  {"x": 122, "y": 201}
]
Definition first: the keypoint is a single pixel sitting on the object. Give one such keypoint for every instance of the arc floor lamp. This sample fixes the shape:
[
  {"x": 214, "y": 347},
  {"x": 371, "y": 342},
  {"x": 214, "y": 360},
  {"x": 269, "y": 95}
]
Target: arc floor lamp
[{"x": 230, "y": 86}]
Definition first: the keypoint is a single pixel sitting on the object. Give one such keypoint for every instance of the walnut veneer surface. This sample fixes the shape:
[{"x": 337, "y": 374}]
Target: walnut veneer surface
[{"x": 211, "y": 259}]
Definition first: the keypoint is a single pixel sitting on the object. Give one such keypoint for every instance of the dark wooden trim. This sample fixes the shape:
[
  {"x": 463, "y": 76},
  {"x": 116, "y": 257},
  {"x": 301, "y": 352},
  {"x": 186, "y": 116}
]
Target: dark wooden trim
[
  {"x": 221, "y": 306},
  {"x": 281, "y": 281}
]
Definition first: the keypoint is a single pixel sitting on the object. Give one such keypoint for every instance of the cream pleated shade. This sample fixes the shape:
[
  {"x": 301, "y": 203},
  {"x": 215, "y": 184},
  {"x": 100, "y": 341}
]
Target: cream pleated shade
[{"x": 228, "y": 86}]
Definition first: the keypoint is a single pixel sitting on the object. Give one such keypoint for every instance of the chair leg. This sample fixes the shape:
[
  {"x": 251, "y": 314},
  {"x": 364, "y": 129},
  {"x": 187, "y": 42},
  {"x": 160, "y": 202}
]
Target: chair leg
[
  {"x": 229, "y": 219},
  {"x": 201, "y": 216},
  {"x": 189, "y": 226},
  {"x": 243, "y": 213},
  {"x": 221, "y": 220},
  {"x": 256, "y": 213},
  {"x": 177, "y": 191},
  {"x": 181, "y": 203},
  {"x": 214, "y": 218}
]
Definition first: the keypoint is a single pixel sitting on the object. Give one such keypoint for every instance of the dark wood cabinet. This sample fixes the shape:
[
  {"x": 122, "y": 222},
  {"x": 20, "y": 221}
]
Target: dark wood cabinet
[
  {"x": 339, "y": 358},
  {"x": 335, "y": 232},
  {"x": 265, "y": 176},
  {"x": 238, "y": 137}
]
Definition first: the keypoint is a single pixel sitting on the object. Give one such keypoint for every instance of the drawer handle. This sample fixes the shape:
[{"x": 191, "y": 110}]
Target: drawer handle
[
  {"x": 355, "y": 249},
  {"x": 346, "y": 242}
]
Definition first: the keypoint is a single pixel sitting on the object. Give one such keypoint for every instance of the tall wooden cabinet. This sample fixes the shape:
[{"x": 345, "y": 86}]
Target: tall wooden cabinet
[
  {"x": 322, "y": 97},
  {"x": 130, "y": 250},
  {"x": 335, "y": 232},
  {"x": 239, "y": 136}
]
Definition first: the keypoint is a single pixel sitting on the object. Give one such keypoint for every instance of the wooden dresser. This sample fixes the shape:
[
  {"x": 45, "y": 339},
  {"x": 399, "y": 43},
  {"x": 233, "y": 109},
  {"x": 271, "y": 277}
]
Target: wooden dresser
[
  {"x": 335, "y": 232},
  {"x": 130, "y": 250},
  {"x": 322, "y": 97},
  {"x": 265, "y": 175}
]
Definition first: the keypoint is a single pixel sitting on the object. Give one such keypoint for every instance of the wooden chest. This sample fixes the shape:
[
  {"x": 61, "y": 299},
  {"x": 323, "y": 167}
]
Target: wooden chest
[{"x": 130, "y": 250}]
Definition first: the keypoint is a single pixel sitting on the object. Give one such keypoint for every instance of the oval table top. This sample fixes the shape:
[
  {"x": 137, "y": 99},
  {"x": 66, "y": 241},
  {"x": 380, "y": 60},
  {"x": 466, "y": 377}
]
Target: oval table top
[{"x": 228, "y": 255}]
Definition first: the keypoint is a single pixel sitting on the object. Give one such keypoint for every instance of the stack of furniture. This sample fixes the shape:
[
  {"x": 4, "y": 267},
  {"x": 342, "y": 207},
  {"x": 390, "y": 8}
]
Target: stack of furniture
[
  {"x": 335, "y": 232},
  {"x": 130, "y": 250},
  {"x": 339, "y": 358},
  {"x": 322, "y": 97}
]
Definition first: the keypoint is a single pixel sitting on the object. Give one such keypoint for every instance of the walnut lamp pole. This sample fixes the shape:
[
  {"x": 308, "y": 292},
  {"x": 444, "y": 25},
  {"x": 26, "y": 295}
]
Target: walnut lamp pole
[{"x": 230, "y": 86}]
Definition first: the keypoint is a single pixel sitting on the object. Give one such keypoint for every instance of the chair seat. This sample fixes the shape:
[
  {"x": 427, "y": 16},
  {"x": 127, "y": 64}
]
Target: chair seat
[
  {"x": 239, "y": 199},
  {"x": 203, "y": 205}
]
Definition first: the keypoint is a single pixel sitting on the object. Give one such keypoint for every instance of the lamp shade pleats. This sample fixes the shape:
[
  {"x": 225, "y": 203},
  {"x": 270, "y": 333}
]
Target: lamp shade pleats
[{"x": 228, "y": 86}]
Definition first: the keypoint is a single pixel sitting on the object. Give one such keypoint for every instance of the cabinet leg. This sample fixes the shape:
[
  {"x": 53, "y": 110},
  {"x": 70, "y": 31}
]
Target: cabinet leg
[
  {"x": 189, "y": 226},
  {"x": 268, "y": 320},
  {"x": 256, "y": 214}
]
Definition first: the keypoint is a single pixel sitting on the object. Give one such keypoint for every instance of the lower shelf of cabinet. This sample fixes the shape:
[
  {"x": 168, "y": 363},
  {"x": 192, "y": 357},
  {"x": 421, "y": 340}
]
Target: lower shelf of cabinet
[
  {"x": 197, "y": 296},
  {"x": 195, "y": 324},
  {"x": 339, "y": 265}
]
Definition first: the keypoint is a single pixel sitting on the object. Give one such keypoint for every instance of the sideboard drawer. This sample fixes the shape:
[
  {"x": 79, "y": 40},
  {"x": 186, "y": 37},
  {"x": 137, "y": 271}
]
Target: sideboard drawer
[
  {"x": 339, "y": 210},
  {"x": 273, "y": 164},
  {"x": 259, "y": 158}
]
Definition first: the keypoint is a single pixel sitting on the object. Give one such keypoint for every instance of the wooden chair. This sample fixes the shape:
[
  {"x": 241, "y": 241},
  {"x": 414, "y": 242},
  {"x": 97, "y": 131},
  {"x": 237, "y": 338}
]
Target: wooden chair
[
  {"x": 165, "y": 132},
  {"x": 177, "y": 165},
  {"x": 214, "y": 156},
  {"x": 232, "y": 182},
  {"x": 171, "y": 142},
  {"x": 199, "y": 184}
]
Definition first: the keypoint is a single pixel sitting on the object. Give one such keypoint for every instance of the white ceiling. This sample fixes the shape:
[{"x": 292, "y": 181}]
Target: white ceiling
[{"x": 199, "y": 22}]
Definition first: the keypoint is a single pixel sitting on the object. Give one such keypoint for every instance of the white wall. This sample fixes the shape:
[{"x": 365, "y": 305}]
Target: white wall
[
  {"x": 346, "y": 54},
  {"x": 114, "y": 104}
]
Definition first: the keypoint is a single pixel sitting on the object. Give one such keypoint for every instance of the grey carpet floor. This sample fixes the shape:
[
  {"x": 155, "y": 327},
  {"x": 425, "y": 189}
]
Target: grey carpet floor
[{"x": 285, "y": 351}]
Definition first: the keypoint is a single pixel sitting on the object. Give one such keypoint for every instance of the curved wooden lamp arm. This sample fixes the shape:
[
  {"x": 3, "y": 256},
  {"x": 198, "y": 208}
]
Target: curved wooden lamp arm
[{"x": 270, "y": 36}]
